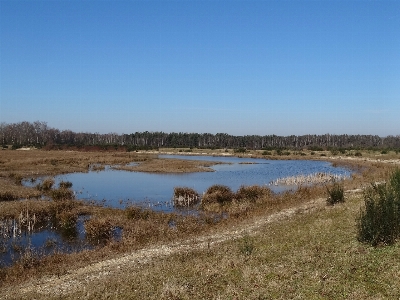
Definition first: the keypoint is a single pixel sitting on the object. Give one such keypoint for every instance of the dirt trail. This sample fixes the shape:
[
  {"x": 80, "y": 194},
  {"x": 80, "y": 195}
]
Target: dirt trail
[{"x": 76, "y": 279}]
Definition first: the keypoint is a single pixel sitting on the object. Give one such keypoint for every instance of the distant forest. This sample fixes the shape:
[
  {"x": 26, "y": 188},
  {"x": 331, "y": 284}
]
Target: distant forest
[{"x": 40, "y": 135}]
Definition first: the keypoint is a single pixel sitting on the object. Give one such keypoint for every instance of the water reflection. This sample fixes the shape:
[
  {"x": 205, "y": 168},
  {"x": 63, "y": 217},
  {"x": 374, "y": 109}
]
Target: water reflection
[
  {"x": 117, "y": 188},
  {"x": 44, "y": 239}
]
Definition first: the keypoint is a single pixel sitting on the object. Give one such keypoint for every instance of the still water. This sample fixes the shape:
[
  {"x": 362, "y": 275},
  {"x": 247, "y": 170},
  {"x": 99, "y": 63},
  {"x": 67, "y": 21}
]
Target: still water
[
  {"x": 117, "y": 188},
  {"x": 121, "y": 188}
]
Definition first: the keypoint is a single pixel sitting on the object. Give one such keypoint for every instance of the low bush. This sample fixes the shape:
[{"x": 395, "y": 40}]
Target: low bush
[
  {"x": 217, "y": 194},
  {"x": 66, "y": 222},
  {"x": 252, "y": 193},
  {"x": 335, "y": 194},
  {"x": 379, "y": 219},
  {"x": 98, "y": 230},
  {"x": 46, "y": 185}
]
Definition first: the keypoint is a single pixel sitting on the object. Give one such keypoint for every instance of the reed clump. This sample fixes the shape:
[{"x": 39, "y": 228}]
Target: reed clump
[
  {"x": 46, "y": 185},
  {"x": 217, "y": 194},
  {"x": 185, "y": 197},
  {"x": 62, "y": 194}
]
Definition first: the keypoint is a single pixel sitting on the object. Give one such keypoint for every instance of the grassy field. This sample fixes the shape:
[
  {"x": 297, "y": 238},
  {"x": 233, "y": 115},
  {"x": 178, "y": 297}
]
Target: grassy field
[{"x": 283, "y": 246}]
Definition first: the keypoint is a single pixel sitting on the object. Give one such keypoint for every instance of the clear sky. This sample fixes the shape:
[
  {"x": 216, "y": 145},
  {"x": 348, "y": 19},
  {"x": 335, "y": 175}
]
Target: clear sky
[{"x": 238, "y": 67}]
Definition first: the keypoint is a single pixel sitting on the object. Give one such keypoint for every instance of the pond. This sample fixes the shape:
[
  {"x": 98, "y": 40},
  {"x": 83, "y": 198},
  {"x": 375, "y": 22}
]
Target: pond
[{"x": 118, "y": 189}]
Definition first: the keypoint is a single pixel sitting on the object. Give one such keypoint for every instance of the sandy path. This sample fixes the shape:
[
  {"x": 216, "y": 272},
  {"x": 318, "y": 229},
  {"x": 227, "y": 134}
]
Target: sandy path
[{"x": 76, "y": 279}]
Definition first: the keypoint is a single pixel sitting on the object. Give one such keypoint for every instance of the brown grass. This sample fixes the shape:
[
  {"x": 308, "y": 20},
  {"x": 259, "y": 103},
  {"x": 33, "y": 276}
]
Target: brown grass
[
  {"x": 164, "y": 165},
  {"x": 142, "y": 227}
]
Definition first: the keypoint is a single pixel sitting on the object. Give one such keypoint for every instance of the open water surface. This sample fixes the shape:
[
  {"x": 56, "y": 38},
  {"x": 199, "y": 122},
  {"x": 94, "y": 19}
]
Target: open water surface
[{"x": 117, "y": 188}]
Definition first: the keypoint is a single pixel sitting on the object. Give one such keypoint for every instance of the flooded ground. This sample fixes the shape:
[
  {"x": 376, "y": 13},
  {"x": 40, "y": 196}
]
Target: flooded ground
[{"x": 116, "y": 188}]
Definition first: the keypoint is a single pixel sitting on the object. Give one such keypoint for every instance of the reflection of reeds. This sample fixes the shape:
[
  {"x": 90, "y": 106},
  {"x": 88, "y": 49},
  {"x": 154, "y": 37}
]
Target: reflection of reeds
[
  {"x": 316, "y": 178},
  {"x": 12, "y": 228},
  {"x": 184, "y": 196}
]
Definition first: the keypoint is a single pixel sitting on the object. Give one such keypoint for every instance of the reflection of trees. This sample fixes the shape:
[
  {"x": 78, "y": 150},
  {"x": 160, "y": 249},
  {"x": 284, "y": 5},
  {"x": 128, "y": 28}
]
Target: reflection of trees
[{"x": 39, "y": 134}]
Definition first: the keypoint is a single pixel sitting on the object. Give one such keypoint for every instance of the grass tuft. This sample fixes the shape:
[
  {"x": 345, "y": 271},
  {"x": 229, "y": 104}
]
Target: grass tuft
[
  {"x": 335, "y": 194},
  {"x": 217, "y": 194}
]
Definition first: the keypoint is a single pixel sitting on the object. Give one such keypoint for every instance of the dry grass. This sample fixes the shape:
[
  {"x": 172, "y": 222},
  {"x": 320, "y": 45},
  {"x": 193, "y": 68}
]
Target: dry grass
[
  {"x": 312, "y": 255},
  {"x": 164, "y": 165},
  {"x": 302, "y": 257}
]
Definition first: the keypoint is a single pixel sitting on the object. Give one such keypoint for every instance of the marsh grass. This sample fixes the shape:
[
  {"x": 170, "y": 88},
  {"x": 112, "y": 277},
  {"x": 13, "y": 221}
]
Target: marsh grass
[
  {"x": 45, "y": 185},
  {"x": 335, "y": 193},
  {"x": 310, "y": 256},
  {"x": 379, "y": 219},
  {"x": 99, "y": 230},
  {"x": 185, "y": 197},
  {"x": 61, "y": 194},
  {"x": 253, "y": 192},
  {"x": 288, "y": 254},
  {"x": 217, "y": 194}
]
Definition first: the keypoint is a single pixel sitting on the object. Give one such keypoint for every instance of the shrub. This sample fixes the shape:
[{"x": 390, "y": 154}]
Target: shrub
[
  {"x": 46, "y": 185},
  {"x": 184, "y": 196},
  {"x": 66, "y": 222},
  {"x": 217, "y": 194},
  {"x": 358, "y": 153},
  {"x": 246, "y": 245},
  {"x": 379, "y": 220},
  {"x": 265, "y": 152},
  {"x": 253, "y": 192},
  {"x": 98, "y": 230},
  {"x": 335, "y": 194},
  {"x": 65, "y": 184}
]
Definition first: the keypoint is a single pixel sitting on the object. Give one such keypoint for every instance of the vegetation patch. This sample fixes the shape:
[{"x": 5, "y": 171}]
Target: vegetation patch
[
  {"x": 98, "y": 230},
  {"x": 335, "y": 194},
  {"x": 253, "y": 192},
  {"x": 379, "y": 220},
  {"x": 217, "y": 194},
  {"x": 185, "y": 197}
]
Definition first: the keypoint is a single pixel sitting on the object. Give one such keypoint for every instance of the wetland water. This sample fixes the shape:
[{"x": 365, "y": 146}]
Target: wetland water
[{"x": 117, "y": 188}]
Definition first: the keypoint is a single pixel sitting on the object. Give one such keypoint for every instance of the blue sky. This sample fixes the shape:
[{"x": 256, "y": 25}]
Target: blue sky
[{"x": 238, "y": 67}]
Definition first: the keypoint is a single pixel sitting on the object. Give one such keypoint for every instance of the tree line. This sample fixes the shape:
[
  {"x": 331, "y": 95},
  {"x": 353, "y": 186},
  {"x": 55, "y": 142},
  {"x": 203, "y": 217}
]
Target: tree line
[{"x": 39, "y": 134}]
